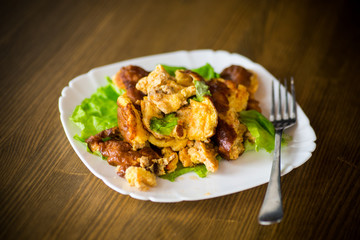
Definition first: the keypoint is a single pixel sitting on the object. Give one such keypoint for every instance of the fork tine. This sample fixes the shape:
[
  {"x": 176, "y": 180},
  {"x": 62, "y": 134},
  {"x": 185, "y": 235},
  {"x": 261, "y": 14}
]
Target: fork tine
[
  {"x": 272, "y": 112},
  {"x": 293, "y": 97},
  {"x": 286, "y": 115},
  {"x": 279, "y": 104}
]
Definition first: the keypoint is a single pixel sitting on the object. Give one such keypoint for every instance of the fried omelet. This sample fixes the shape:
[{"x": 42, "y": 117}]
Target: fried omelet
[{"x": 205, "y": 127}]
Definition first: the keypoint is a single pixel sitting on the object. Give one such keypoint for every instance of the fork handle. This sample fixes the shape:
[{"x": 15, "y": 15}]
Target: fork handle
[{"x": 271, "y": 210}]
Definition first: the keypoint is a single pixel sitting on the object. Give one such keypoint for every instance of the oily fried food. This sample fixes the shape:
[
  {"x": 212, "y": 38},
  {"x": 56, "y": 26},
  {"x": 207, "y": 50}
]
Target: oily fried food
[
  {"x": 118, "y": 152},
  {"x": 130, "y": 124},
  {"x": 199, "y": 119},
  {"x": 165, "y": 120},
  {"x": 199, "y": 152},
  {"x": 140, "y": 178},
  {"x": 229, "y": 99},
  {"x": 241, "y": 76},
  {"x": 163, "y": 91},
  {"x": 127, "y": 78}
]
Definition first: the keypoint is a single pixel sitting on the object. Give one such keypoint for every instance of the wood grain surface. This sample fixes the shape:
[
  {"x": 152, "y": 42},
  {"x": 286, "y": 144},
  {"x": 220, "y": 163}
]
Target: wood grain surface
[{"x": 46, "y": 192}]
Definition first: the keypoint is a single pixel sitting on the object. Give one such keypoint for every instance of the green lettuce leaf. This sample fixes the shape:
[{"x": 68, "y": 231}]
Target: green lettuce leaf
[
  {"x": 199, "y": 169},
  {"x": 172, "y": 69},
  {"x": 164, "y": 125},
  {"x": 262, "y": 130},
  {"x": 97, "y": 113},
  {"x": 206, "y": 71},
  {"x": 201, "y": 90}
]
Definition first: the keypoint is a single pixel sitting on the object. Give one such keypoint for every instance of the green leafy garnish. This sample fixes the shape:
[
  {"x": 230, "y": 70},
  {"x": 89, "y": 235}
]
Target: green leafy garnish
[
  {"x": 172, "y": 69},
  {"x": 199, "y": 169},
  {"x": 97, "y": 113},
  {"x": 261, "y": 129},
  {"x": 206, "y": 71},
  {"x": 201, "y": 90},
  {"x": 164, "y": 125}
]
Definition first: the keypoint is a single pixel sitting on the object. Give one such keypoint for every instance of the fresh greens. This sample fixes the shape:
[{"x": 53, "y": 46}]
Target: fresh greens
[
  {"x": 172, "y": 69},
  {"x": 97, "y": 113},
  {"x": 201, "y": 90},
  {"x": 200, "y": 170},
  {"x": 164, "y": 125},
  {"x": 206, "y": 71},
  {"x": 261, "y": 129}
]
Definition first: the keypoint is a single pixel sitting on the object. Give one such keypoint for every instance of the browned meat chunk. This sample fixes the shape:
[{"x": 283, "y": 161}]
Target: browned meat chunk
[
  {"x": 95, "y": 140},
  {"x": 229, "y": 138},
  {"x": 130, "y": 124},
  {"x": 127, "y": 77},
  {"x": 117, "y": 152},
  {"x": 253, "y": 105},
  {"x": 229, "y": 99},
  {"x": 241, "y": 76},
  {"x": 237, "y": 74}
]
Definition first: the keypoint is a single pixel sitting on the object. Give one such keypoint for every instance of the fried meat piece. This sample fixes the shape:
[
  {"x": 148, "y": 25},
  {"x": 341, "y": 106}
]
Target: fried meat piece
[
  {"x": 229, "y": 99},
  {"x": 127, "y": 77},
  {"x": 118, "y": 153},
  {"x": 199, "y": 119},
  {"x": 130, "y": 124},
  {"x": 140, "y": 178},
  {"x": 240, "y": 75},
  {"x": 197, "y": 153},
  {"x": 94, "y": 142},
  {"x": 229, "y": 138},
  {"x": 226, "y": 95},
  {"x": 253, "y": 105},
  {"x": 163, "y": 91}
]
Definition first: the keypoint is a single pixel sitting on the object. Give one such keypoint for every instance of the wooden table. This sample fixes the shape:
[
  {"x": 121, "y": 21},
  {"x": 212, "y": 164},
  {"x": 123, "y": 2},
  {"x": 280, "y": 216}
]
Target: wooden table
[{"x": 47, "y": 192}]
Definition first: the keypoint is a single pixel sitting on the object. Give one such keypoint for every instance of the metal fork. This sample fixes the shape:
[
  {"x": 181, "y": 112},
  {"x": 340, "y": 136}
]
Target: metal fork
[{"x": 271, "y": 210}]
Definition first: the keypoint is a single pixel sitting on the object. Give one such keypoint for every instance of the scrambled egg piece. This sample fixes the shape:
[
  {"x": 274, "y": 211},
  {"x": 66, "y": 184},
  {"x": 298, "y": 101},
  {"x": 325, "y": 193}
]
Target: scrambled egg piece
[
  {"x": 173, "y": 159},
  {"x": 199, "y": 119},
  {"x": 238, "y": 97},
  {"x": 186, "y": 77},
  {"x": 148, "y": 111},
  {"x": 140, "y": 178},
  {"x": 130, "y": 124},
  {"x": 163, "y": 91},
  {"x": 199, "y": 152},
  {"x": 173, "y": 143}
]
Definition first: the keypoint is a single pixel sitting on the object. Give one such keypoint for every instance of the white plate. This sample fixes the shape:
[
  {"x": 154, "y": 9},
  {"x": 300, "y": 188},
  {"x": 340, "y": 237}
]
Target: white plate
[{"x": 250, "y": 170}]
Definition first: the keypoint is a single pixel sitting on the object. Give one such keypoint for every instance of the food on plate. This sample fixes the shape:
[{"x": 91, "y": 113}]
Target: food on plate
[
  {"x": 173, "y": 120},
  {"x": 127, "y": 77},
  {"x": 130, "y": 124}
]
